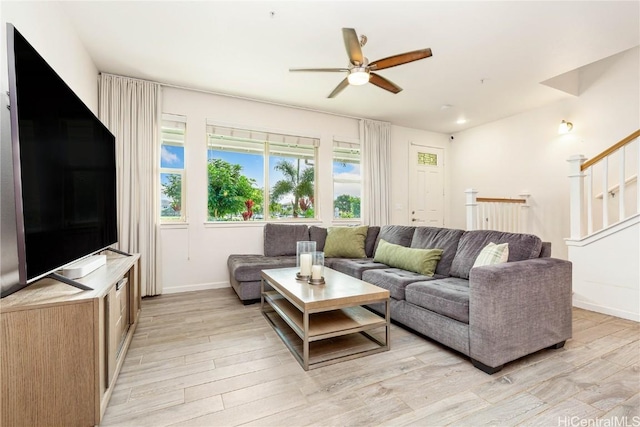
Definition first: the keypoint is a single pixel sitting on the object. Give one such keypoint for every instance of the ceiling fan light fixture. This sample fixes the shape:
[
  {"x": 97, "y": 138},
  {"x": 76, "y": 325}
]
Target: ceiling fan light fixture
[
  {"x": 358, "y": 76},
  {"x": 359, "y": 68}
]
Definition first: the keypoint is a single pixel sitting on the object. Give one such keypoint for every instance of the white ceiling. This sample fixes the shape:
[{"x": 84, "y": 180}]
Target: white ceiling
[{"x": 489, "y": 58}]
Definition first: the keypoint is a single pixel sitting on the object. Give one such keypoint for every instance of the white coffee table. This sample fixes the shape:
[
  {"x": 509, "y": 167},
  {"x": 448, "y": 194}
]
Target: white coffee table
[{"x": 321, "y": 312}]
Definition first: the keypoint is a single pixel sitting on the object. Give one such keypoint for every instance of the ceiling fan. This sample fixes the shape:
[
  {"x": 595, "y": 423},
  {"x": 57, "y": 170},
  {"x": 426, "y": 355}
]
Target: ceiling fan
[{"x": 360, "y": 70}]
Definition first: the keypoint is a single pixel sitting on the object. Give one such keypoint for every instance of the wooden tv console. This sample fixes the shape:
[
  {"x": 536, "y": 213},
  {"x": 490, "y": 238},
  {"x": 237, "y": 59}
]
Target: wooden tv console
[{"x": 62, "y": 348}]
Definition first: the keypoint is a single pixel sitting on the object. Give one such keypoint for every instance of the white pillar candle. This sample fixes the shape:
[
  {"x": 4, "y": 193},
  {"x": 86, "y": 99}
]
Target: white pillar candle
[
  {"x": 305, "y": 264},
  {"x": 316, "y": 272}
]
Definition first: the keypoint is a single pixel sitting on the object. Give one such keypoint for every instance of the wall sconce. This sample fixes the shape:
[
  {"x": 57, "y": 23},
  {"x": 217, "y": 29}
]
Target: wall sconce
[{"x": 565, "y": 127}]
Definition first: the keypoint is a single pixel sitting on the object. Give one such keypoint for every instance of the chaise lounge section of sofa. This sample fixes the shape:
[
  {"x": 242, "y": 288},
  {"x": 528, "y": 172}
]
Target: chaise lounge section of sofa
[{"x": 493, "y": 314}]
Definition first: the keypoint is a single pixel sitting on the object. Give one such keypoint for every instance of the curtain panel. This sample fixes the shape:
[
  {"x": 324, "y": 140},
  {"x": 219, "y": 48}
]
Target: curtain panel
[
  {"x": 130, "y": 108},
  {"x": 376, "y": 177}
]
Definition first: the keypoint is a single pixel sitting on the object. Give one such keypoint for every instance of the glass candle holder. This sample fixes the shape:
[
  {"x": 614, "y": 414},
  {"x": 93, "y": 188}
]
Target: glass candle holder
[
  {"x": 304, "y": 257},
  {"x": 317, "y": 267}
]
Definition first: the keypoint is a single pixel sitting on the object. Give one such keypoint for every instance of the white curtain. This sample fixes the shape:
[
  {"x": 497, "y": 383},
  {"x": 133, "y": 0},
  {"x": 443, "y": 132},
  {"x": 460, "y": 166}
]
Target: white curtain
[
  {"x": 375, "y": 138},
  {"x": 130, "y": 108}
]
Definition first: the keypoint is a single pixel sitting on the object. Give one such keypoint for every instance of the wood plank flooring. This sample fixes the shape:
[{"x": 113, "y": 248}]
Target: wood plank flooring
[{"x": 204, "y": 359}]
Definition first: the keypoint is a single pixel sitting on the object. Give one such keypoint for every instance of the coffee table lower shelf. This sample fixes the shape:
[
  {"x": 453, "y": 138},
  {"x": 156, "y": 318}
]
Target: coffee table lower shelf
[{"x": 332, "y": 327}]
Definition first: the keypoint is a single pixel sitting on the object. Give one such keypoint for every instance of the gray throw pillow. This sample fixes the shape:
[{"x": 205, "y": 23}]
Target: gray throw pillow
[
  {"x": 282, "y": 239},
  {"x": 318, "y": 235}
]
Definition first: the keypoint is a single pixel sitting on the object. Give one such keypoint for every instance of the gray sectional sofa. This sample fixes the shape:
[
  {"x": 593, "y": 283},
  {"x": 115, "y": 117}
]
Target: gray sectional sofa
[{"x": 494, "y": 314}]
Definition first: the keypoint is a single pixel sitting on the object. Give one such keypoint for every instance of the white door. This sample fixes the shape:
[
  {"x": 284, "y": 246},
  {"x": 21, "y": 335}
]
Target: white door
[{"x": 426, "y": 186}]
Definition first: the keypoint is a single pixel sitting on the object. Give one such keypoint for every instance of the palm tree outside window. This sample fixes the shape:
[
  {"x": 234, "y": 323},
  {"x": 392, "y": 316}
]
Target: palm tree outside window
[{"x": 241, "y": 161}]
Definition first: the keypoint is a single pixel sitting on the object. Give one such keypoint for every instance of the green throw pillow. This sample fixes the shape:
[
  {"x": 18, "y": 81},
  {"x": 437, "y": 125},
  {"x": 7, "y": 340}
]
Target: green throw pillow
[
  {"x": 492, "y": 254},
  {"x": 423, "y": 261},
  {"x": 345, "y": 242}
]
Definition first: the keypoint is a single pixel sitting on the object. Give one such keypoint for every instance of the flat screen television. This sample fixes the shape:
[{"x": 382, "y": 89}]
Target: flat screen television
[{"x": 64, "y": 168}]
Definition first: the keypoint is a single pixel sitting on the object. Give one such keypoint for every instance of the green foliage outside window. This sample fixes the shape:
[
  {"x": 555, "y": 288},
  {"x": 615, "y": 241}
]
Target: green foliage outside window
[
  {"x": 348, "y": 206},
  {"x": 299, "y": 183},
  {"x": 173, "y": 190},
  {"x": 229, "y": 192}
]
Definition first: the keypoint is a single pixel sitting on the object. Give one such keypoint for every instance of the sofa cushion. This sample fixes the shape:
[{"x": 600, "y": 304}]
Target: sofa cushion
[
  {"x": 346, "y": 242},
  {"x": 281, "y": 239},
  {"x": 421, "y": 261},
  {"x": 521, "y": 247},
  {"x": 448, "y": 296},
  {"x": 352, "y": 267},
  {"x": 395, "y": 280},
  {"x": 443, "y": 238},
  {"x": 318, "y": 235},
  {"x": 249, "y": 291},
  {"x": 370, "y": 241},
  {"x": 247, "y": 268},
  {"x": 396, "y": 234},
  {"x": 545, "y": 252}
]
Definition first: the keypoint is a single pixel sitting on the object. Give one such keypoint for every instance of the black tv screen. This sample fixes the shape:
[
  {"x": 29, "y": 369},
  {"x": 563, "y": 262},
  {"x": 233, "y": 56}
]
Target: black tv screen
[{"x": 64, "y": 167}]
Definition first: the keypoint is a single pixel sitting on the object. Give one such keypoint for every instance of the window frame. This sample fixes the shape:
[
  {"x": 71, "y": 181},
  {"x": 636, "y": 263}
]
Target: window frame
[
  {"x": 166, "y": 117},
  {"x": 266, "y": 139},
  {"x": 345, "y": 144}
]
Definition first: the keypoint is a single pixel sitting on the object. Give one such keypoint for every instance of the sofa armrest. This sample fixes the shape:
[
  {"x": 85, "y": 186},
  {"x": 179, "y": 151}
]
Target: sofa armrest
[{"x": 518, "y": 308}]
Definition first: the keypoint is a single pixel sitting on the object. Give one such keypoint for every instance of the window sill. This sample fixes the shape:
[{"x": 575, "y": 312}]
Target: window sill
[
  {"x": 239, "y": 224},
  {"x": 174, "y": 225},
  {"x": 233, "y": 224},
  {"x": 354, "y": 221}
]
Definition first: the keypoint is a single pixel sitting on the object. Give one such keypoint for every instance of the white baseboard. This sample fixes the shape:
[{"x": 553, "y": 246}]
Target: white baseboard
[
  {"x": 607, "y": 310},
  {"x": 195, "y": 287}
]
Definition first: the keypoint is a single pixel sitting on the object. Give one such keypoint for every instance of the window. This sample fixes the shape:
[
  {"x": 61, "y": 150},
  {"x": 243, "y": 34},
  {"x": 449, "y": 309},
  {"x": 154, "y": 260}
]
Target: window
[
  {"x": 172, "y": 168},
  {"x": 239, "y": 164},
  {"x": 427, "y": 159},
  {"x": 347, "y": 180}
]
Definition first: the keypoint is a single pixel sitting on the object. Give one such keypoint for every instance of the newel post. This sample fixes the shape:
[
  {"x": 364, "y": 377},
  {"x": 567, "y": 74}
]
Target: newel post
[
  {"x": 524, "y": 212},
  {"x": 576, "y": 195},
  {"x": 472, "y": 208}
]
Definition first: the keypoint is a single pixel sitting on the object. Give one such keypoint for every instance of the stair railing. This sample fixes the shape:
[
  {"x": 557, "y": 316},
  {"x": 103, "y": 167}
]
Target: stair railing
[
  {"x": 496, "y": 213},
  {"x": 582, "y": 213}
]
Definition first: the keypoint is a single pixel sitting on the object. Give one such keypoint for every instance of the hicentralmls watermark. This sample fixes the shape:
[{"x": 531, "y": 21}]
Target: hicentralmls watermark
[{"x": 576, "y": 421}]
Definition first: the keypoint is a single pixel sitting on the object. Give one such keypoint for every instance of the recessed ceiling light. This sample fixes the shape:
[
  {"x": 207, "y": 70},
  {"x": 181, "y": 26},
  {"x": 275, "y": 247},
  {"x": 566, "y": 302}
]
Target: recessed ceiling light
[
  {"x": 446, "y": 106},
  {"x": 461, "y": 121}
]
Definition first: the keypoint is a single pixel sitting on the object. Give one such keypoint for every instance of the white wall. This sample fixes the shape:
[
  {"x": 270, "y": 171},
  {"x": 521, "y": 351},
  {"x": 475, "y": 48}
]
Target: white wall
[
  {"x": 525, "y": 152},
  {"x": 46, "y": 27},
  {"x": 606, "y": 277},
  {"x": 49, "y": 32}
]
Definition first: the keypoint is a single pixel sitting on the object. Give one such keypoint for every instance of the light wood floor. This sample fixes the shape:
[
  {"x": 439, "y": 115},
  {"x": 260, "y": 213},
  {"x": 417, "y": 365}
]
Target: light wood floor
[{"x": 204, "y": 359}]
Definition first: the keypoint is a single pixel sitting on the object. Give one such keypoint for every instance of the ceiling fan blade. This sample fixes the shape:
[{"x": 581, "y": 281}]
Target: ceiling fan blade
[
  {"x": 352, "y": 44},
  {"x": 383, "y": 83},
  {"x": 403, "y": 58},
  {"x": 329, "y": 70},
  {"x": 344, "y": 83}
]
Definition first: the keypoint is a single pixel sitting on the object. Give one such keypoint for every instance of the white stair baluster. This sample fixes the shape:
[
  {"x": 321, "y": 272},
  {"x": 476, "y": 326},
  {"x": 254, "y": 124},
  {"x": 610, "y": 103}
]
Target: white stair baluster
[
  {"x": 589, "y": 200},
  {"x": 576, "y": 195},
  {"x": 605, "y": 192},
  {"x": 621, "y": 212},
  {"x": 472, "y": 208}
]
